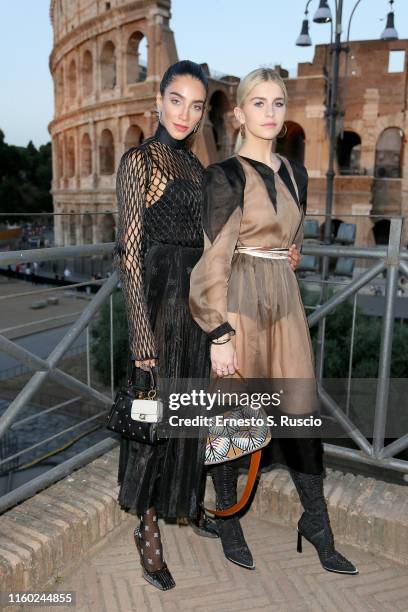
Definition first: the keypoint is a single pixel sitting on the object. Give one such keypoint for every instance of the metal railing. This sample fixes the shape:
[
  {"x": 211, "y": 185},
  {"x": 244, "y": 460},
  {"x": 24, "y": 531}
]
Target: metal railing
[
  {"x": 22, "y": 369},
  {"x": 391, "y": 259},
  {"x": 48, "y": 370}
]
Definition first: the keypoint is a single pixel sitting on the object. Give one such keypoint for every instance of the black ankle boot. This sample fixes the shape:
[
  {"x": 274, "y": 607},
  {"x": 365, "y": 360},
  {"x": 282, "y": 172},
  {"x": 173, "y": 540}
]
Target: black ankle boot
[
  {"x": 314, "y": 524},
  {"x": 225, "y": 477}
]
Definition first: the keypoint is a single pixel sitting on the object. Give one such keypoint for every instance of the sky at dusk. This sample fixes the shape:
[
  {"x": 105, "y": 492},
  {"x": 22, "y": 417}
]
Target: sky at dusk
[{"x": 232, "y": 36}]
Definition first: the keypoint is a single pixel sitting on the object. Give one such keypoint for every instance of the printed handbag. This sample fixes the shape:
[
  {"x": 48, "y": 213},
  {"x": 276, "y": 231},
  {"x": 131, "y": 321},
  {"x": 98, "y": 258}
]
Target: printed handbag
[{"x": 231, "y": 441}]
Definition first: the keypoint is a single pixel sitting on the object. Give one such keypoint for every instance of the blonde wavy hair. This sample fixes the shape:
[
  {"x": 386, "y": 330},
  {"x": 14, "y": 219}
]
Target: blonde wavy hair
[{"x": 246, "y": 85}]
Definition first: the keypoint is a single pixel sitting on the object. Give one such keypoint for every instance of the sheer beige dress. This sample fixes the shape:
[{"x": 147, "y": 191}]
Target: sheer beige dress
[{"x": 245, "y": 205}]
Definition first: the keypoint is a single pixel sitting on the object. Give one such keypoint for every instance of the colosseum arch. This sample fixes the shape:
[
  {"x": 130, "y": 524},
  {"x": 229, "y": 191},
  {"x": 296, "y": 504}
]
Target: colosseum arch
[
  {"x": 63, "y": 226},
  {"x": 87, "y": 229},
  {"x": 381, "y": 231},
  {"x": 108, "y": 228},
  {"x": 108, "y": 65},
  {"x": 136, "y": 58},
  {"x": 292, "y": 145},
  {"x": 70, "y": 157},
  {"x": 219, "y": 107},
  {"x": 106, "y": 153},
  {"x": 60, "y": 87},
  {"x": 60, "y": 159},
  {"x": 134, "y": 136},
  {"x": 72, "y": 80},
  {"x": 348, "y": 153},
  {"x": 72, "y": 227},
  {"x": 86, "y": 155},
  {"x": 87, "y": 73},
  {"x": 334, "y": 228},
  {"x": 388, "y": 153}
]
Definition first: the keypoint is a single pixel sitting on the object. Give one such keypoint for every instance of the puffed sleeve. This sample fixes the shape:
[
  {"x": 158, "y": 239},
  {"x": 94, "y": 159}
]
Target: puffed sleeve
[
  {"x": 221, "y": 217},
  {"x": 130, "y": 191}
]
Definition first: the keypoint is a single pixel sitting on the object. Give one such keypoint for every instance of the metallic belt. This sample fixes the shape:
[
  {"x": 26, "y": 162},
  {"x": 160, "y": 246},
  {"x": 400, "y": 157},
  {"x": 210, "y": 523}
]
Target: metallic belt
[{"x": 265, "y": 253}]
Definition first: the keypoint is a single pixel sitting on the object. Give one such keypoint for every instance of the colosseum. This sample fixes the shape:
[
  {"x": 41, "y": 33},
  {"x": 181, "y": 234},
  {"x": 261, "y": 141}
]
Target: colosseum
[{"x": 106, "y": 64}]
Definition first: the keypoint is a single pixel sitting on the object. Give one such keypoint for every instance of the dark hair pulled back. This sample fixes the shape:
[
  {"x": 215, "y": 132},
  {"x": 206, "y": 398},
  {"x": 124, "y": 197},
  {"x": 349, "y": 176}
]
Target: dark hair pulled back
[{"x": 183, "y": 68}]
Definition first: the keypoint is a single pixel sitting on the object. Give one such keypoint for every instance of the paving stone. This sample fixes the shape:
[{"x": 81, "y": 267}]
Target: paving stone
[
  {"x": 283, "y": 580},
  {"x": 74, "y": 536}
]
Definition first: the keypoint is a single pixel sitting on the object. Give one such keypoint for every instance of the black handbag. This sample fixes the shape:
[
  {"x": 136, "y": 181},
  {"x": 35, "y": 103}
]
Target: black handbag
[{"x": 120, "y": 418}]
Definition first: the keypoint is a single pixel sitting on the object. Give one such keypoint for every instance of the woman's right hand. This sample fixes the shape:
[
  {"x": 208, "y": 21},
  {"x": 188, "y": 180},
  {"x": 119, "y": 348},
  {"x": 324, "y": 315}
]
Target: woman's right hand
[
  {"x": 224, "y": 358},
  {"x": 146, "y": 364}
]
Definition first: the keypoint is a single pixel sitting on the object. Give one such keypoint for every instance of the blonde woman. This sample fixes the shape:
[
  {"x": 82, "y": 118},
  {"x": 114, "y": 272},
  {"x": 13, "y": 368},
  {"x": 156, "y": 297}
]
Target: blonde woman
[{"x": 245, "y": 296}]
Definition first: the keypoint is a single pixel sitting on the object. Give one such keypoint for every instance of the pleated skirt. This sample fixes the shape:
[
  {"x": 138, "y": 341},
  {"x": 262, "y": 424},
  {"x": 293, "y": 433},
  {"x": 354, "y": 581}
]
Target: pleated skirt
[{"x": 171, "y": 475}]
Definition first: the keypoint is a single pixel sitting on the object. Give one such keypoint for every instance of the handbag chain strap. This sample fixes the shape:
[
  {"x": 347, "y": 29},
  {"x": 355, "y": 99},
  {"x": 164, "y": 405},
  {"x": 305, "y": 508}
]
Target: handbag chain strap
[{"x": 151, "y": 394}]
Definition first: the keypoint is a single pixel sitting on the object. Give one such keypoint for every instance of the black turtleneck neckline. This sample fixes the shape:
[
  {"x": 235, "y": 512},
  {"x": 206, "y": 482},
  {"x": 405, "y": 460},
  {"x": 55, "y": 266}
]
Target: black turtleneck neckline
[{"x": 163, "y": 136}]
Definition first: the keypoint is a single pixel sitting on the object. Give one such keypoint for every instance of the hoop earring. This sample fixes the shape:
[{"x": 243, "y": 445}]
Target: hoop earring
[
  {"x": 242, "y": 130},
  {"x": 285, "y": 132}
]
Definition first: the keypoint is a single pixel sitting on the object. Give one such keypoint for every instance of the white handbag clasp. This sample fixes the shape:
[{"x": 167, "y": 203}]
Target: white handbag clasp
[{"x": 147, "y": 410}]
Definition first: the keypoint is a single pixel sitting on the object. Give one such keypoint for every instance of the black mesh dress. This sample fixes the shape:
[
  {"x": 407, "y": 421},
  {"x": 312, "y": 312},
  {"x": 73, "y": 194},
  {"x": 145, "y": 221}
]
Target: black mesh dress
[{"x": 159, "y": 242}]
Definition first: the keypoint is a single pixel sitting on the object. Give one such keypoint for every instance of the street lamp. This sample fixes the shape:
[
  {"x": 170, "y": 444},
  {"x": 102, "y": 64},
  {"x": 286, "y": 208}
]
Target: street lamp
[
  {"x": 390, "y": 33},
  {"x": 304, "y": 40},
  {"x": 323, "y": 15}
]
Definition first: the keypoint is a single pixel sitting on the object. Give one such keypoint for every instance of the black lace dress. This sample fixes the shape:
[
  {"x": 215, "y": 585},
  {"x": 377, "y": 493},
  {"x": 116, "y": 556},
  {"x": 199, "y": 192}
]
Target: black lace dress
[{"x": 159, "y": 241}]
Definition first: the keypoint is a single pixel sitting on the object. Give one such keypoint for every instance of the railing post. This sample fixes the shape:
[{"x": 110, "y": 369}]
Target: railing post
[
  {"x": 384, "y": 368},
  {"x": 350, "y": 367},
  {"x": 321, "y": 333},
  {"x": 88, "y": 357},
  {"x": 112, "y": 381}
]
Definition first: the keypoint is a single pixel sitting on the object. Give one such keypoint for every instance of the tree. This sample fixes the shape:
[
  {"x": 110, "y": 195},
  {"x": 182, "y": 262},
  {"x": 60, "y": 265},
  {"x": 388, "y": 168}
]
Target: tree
[
  {"x": 25, "y": 178},
  {"x": 367, "y": 342}
]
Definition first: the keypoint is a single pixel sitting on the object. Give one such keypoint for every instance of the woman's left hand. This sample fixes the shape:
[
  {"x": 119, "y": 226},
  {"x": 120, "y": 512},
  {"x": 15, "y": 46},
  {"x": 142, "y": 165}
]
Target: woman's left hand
[{"x": 294, "y": 256}]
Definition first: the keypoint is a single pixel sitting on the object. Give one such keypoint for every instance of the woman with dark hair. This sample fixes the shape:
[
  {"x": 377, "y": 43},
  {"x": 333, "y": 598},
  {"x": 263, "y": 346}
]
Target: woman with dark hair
[{"x": 159, "y": 241}]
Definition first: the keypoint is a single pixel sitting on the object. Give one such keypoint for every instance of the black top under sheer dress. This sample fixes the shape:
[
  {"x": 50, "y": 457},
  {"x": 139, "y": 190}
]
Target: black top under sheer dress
[{"x": 159, "y": 194}]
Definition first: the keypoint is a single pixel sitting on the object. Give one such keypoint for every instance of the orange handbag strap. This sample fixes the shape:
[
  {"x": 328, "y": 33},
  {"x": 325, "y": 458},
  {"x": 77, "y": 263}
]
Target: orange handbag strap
[{"x": 253, "y": 471}]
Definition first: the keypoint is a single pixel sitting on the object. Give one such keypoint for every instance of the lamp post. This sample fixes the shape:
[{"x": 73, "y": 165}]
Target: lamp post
[{"x": 323, "y": 15}]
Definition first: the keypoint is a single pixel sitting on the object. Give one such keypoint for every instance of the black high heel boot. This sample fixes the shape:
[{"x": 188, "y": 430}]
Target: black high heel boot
[
  {"x": 148, "y": 543},
  {"x": 314, "y": 524},
  {"x": 225, "y": 477}
]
